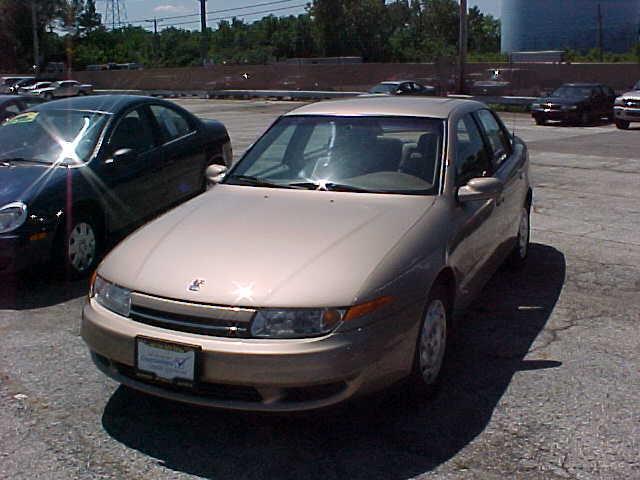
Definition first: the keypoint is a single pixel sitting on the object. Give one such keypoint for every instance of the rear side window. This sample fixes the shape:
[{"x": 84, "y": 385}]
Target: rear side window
[
  {"x": 472, "y": 159},
  {"x": 172, "y": 123},
  {"x": 496, "y": 136},
  {"x": 13, "y": 108}
]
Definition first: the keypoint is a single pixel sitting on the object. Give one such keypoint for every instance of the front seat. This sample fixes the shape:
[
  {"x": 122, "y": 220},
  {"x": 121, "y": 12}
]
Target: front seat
[{"x": 422, "y": 161}]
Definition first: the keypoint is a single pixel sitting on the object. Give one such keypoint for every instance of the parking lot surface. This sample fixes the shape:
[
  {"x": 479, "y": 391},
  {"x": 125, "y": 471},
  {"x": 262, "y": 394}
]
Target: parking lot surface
[{"x": 543, "y": 380}]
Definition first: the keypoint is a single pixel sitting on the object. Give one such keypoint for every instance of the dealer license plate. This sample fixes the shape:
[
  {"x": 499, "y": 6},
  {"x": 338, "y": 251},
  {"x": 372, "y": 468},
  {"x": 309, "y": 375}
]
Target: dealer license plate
[{"x": 165, "y": 360}]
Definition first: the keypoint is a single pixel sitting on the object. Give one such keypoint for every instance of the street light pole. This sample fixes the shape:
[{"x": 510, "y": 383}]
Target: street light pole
[
  {"x": 36, "y": 42},
  {"x": 462, "y": 57},
  {"x": 204, "y": 40}
]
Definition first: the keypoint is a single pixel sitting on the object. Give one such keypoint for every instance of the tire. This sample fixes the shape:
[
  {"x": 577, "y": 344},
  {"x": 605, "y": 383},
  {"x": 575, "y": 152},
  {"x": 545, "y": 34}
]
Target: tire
[
  {"x": 520, "y": 252},
  {"x": 432, "y": 342},
  {"x": 622, "y": 124},
  {"x": 540, "y": 120},
  {"x": 81, "y": 93},
  {"x": 585, "y": 119},
  {"x": 79, "y": 248},
  {"x": 48, "y": 96}
]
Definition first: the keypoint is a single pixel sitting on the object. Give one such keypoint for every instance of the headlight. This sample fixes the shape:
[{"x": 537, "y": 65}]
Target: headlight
[
  {"x": 619, "y": 102},
  {"x": 295, "y": 323},
  {"x": 12, "y": 216},
  {"x": 111, "y": 296}
]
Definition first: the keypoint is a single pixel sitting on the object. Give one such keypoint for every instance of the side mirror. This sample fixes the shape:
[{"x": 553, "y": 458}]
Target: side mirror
[
  {"x": 122, "y": 155},
  {"x": 215, "y": 173},
  {"x": 484, "y": 188}
]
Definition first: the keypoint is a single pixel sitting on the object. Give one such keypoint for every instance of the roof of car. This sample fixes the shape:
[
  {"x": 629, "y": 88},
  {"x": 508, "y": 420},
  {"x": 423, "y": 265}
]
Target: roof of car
[
  {"x": 96, "y": 103},
  {"x": 388, "y": 106}
]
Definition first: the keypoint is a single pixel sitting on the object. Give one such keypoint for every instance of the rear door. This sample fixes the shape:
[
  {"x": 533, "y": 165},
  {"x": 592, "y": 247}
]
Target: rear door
[
  {"x": 509, "y": 166},
  {"x": 183, "y": 155}
]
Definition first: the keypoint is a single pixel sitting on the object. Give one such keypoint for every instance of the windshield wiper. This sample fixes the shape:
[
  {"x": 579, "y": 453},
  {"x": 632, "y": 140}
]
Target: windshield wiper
[
  {"x": 259, "y": 182},
  {"x": 333, "y": 187},
  {"x": 9, "y": 160}
]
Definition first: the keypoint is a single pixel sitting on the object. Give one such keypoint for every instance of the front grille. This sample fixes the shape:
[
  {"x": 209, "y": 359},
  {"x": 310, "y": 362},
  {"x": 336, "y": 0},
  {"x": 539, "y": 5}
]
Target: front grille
[
  {"x": 189, "y": 324},
  {"x": 633, "y": 103}
]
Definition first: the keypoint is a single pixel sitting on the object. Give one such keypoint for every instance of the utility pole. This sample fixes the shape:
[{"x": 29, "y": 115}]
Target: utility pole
[
  {"x": 462, "y": 46},
  {"x": 36, "y": 42},
  {"x": 204, "y": 37},
  {"x": 600, "y": 43},
  {"x": 154, "y": 45}
]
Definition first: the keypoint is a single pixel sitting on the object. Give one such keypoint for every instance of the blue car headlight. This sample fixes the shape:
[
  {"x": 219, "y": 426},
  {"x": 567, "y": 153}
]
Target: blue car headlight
[{"x": 12, "y": 216}]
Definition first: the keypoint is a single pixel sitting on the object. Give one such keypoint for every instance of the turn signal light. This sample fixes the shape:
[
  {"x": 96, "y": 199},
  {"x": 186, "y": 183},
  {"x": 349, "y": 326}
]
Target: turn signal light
[{"x": 366, "y": 308}]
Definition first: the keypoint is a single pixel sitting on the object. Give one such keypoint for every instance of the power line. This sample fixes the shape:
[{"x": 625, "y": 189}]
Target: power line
[
  {"x": 233, "y": 16},
  {"x": 224, "y": 10}
]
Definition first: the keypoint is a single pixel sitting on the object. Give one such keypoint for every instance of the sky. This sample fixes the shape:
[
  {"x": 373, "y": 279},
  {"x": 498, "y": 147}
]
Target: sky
[{"x": 145, "y": 9}]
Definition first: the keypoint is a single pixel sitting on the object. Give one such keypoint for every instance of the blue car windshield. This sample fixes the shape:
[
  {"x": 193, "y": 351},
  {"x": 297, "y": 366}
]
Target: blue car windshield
[{"x": 51, "y": 136}]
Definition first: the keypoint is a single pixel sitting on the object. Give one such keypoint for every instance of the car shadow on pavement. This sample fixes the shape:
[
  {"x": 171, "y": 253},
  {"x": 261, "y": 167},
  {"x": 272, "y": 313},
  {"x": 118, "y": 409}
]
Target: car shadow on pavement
[
  {"x": 39, "y": 287},
  {"x": 390, "y": 435}
]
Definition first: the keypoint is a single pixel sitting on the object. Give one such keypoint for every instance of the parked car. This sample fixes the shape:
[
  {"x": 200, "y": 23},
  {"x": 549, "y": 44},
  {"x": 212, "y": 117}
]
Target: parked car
[
  {"x": 405, "y": 87},
  {"x": 578, "y": 103},
  {"x": 10, "y": 105},
  {"x": 326, "y": 263},
  {"x": 77, "y": 172},
  {"x": 7, "y": 82},
  {"x": 26, "y": 90},
  {"x": 503, "y": 81},
  {"x": 64, "y": 88},
  {"x": 627, "y": 109},
  {"x": 25, "y": 82}
]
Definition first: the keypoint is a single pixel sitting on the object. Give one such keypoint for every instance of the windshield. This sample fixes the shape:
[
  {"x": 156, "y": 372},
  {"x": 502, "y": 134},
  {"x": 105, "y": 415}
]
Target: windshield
[
  {"x": 572, "y": 92},
  {"x": 51, "y": 136},
  {"x": 384, "y": 88},
  {"x": 361, "y": 154}
]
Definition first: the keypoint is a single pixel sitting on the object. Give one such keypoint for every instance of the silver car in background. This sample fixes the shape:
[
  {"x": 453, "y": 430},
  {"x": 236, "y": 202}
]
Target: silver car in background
[{"x": 327, "y": 263}]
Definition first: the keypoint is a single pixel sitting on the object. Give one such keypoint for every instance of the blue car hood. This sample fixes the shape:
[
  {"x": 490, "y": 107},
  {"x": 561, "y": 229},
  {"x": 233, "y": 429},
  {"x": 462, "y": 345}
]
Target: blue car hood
[{"x": 24, "y": 182}]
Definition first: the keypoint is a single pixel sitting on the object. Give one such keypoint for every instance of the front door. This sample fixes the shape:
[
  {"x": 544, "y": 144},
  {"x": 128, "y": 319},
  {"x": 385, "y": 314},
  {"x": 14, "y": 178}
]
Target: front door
[
  {"x": 472, "y": 238},
  {"x": 133, "y": 185}
]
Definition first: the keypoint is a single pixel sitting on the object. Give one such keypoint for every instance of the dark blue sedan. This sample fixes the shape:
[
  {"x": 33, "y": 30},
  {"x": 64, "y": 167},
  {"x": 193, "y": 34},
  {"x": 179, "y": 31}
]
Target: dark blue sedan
[{"x": 77, "y": 173}]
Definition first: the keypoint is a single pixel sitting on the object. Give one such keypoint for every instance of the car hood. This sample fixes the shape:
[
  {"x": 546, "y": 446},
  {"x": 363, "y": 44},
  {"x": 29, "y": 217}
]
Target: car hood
[
  {"x": 23, "y": 181},
  {"x": 265, "y": 247},
  {"x": 632, "y": 95},
  {"x": 41, "y": 90}
]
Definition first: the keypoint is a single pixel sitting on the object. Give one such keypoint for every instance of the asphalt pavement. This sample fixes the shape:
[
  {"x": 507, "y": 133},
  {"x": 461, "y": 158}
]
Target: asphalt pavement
[{"x": 543, "y": 382}]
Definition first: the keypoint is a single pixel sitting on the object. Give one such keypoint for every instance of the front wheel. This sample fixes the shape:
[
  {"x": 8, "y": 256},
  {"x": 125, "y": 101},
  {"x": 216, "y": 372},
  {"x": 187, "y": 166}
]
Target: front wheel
[
  {"x": 622, "y": 124},
  {"x": 540, "y": 120},
  {"x": 81, "y": 247},
  {"x": 432, "y": 341},
  {"x": 48, "y": 96},
  {"x": 520, "y": 252},
  {"x": 585, "y": 119}
]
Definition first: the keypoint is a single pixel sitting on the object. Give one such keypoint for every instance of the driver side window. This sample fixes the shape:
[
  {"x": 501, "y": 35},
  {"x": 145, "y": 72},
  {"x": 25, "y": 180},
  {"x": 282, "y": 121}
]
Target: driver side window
[
  {"x": 472, "y": 159},
  {"x": 134, "y": 132}
]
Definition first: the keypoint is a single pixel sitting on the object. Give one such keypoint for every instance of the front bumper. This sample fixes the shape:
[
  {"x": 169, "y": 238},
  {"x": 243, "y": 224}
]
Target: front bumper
[
  {"x": 627, "y": 114},
  {"x": 19, "y": 251},
  {"x": 561, "y": 115},
  {"x": 255, "y": 374}
]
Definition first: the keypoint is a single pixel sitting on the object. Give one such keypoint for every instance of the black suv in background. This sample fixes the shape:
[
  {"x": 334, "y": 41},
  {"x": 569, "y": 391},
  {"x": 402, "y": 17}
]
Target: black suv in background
[{"x": 576, "y": 103}]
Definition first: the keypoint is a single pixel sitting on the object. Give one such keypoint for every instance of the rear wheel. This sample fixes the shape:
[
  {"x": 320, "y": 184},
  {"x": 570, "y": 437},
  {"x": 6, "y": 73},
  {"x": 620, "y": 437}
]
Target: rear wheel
[
  {"x": 622, "y": 124},
  {"x": 432, "y": 341},
  {"x": 48, "y": 96}
]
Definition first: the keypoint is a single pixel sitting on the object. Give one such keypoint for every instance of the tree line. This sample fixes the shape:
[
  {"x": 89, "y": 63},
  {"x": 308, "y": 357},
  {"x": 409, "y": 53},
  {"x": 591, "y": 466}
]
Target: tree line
[{"x": 72, "y": 31}]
